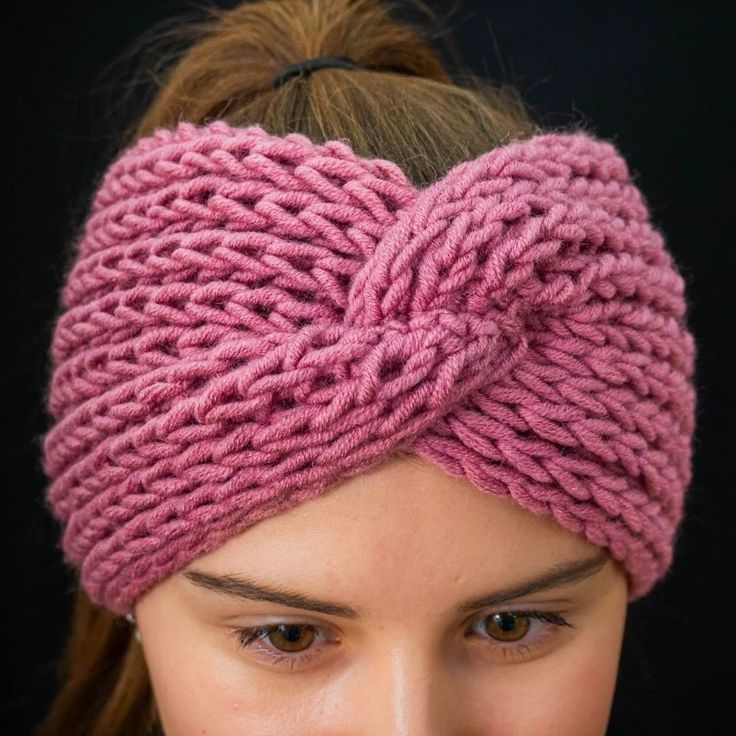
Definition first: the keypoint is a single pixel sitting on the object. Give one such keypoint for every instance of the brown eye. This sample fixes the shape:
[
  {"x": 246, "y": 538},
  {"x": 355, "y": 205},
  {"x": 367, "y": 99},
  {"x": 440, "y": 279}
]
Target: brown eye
[
  {"x": 291, "y": 637},
  {"x": 507, "y": 626}
]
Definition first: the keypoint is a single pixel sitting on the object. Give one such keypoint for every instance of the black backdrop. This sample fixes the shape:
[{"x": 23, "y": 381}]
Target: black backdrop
[{"x": 656, "y": 77}]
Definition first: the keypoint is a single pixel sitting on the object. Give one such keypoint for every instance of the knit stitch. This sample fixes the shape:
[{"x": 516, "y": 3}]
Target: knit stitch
[{"x": 250, "y": 319}]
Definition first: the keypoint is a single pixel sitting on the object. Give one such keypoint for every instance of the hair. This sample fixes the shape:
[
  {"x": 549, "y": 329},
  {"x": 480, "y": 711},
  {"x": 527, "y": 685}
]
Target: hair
[{"x": 401, "y": 104}]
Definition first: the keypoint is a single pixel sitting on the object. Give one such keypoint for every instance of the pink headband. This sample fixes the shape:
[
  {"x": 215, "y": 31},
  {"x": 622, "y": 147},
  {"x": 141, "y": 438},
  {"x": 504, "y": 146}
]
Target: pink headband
[{"x": 251, "y": 318}]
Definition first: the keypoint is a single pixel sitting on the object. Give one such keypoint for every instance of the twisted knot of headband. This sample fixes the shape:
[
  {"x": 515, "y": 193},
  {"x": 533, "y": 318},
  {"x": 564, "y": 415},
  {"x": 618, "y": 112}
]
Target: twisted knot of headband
[{"x": 251, "y": 318}]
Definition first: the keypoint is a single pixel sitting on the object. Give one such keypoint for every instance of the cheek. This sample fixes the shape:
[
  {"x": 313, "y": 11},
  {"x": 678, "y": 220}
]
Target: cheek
[
  {"x": 200, "y": 688},
  {"x": 185, "y": 679},
  {"x": 204, "y": 687},
  {"x": 584, "y": 693},
  {"x": 568, "y": 694}
]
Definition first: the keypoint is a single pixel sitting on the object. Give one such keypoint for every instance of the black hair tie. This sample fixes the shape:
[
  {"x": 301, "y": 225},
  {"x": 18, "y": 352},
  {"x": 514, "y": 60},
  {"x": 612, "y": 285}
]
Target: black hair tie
[{"x": 307, "y": 66}]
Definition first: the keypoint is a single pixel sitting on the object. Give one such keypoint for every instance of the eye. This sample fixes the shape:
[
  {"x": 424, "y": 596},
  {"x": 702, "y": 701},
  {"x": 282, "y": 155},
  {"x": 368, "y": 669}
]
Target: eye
[
  {"x": 508, "y": 631},
  {"x": 290, "y": 637},
  {"x": 289, "y": 644},
  {"x": 292, "y": 644}
]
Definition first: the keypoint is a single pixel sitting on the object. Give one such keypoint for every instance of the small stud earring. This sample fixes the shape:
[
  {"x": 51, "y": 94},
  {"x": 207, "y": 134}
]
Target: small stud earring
[{"x": 130, "y": 618}]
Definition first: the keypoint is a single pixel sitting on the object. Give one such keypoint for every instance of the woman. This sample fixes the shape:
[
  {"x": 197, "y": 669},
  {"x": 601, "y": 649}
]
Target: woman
[{"x": 372, "y": 400}]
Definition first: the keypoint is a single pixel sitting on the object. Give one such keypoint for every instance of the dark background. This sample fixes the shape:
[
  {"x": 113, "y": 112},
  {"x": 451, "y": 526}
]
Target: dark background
[{"x": 655, "y": 77}]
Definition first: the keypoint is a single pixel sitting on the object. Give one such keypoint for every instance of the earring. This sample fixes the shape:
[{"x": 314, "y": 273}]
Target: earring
[{"x": 130, "y": 618}]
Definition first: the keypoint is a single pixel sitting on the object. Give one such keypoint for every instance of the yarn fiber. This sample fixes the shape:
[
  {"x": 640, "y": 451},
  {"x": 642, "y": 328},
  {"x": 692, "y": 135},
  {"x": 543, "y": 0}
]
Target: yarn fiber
[{"x": 250, "y": 319}]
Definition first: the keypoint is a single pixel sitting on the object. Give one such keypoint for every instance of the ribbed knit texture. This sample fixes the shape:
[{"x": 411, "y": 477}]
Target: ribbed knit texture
[{"x": 250, "y": 319}]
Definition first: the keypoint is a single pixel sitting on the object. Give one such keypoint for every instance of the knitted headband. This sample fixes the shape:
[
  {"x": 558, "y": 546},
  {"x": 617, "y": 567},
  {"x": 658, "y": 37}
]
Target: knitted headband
[{"x": 251, "y": 318}]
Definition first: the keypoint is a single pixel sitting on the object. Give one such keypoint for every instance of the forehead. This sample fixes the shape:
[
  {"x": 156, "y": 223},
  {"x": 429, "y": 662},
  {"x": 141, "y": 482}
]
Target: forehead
[{"x": 404, "y": 528}]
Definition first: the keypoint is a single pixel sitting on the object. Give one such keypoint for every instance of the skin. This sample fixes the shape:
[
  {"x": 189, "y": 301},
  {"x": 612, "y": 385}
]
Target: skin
[{"x": 404, "y": 545}]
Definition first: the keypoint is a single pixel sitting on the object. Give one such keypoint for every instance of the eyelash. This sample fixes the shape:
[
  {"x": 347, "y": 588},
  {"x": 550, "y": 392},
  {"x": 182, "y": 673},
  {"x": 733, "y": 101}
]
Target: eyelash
[{"x": 248, "y": 636}]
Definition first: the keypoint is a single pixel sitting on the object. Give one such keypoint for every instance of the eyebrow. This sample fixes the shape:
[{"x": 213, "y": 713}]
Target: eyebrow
[{"x": 238, "y": 587}]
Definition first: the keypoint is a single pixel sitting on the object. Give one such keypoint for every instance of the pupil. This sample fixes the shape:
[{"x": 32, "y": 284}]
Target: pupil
[
  {"x": 507, "y": 621},
  {"x": 291, "y": 632}
]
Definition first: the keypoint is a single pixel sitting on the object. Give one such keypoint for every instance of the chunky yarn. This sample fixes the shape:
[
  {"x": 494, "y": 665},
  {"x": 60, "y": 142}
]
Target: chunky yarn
[{"x": 251, "y": 318}]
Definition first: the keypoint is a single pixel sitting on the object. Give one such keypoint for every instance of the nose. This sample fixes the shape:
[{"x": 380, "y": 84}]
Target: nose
[{"x": 409, "y": 692}]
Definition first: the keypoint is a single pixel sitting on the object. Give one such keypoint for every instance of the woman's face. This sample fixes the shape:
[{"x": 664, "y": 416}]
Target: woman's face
[{"x": 391, "y": 618}]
